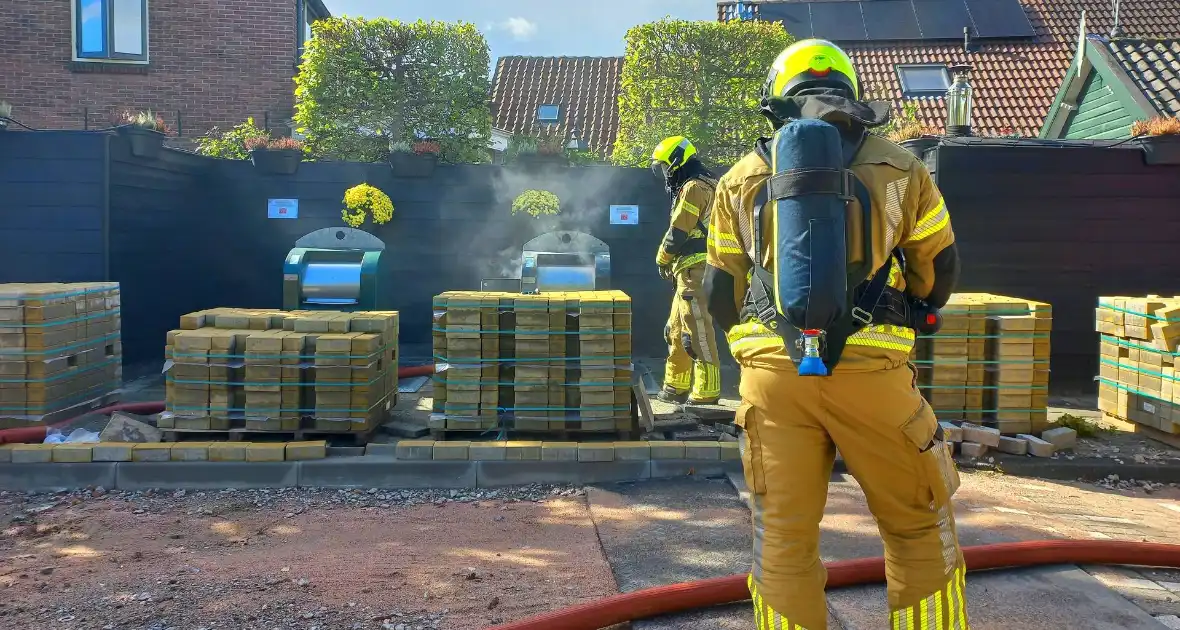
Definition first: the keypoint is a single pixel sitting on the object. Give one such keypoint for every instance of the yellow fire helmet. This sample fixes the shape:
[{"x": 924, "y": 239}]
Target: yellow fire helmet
[
  {"x": 670, "y": 154},
  {"x": 810, "y": 63}
]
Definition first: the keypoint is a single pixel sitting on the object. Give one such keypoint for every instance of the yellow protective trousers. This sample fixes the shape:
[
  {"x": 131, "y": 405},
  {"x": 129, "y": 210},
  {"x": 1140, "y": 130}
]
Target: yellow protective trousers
[
  {"x": 889, "y": 438},
  {"x": 692, "y": 342}
]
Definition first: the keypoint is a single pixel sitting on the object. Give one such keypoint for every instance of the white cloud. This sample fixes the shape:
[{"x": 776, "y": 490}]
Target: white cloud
[{"x": 520, "y": 28}]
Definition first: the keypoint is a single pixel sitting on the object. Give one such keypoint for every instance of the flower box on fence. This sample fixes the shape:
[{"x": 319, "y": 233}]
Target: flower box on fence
[{"x": 276, "y": 161}]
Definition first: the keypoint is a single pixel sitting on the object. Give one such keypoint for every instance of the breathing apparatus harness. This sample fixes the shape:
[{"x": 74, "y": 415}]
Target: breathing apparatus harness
[
  {"x": 674, "y": 182},
  {"x": 815, "y": 341}
]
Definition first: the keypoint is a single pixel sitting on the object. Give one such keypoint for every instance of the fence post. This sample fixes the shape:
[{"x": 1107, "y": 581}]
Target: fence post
[{"x": 179, "y": 125}]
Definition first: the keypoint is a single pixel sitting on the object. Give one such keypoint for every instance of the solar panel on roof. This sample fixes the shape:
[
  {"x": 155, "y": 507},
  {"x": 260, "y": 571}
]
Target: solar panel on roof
[
  {"x": 999, "y": 18},
  {"x": 941, "y": 19},
  {"x": 890, "y": 19},
  {"x": 795, "y": 16},
  {"x": 838, "y": 21}
]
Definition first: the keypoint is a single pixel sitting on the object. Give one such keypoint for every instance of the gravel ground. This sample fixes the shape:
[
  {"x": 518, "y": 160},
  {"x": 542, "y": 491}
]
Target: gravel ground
[{"x": 307, "y": 559}]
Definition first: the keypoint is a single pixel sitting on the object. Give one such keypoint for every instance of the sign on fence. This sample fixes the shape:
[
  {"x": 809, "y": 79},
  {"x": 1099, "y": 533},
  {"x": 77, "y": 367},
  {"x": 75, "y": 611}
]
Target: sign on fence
[
  {"x": 282, "y": 208},
  {"x": 624, "y": 215}
]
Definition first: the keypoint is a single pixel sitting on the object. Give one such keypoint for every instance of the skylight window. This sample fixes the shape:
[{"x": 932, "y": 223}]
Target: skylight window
[
  {"x": 548, "y": 113},
  {"x": 926, "y": 80}
]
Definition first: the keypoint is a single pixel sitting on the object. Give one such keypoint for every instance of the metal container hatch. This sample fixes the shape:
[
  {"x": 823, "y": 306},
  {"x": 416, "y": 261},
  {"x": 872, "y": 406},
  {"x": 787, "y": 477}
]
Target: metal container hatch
[
  {"x": 332, "y": 268},
  {"x": 565, "y": 261}
]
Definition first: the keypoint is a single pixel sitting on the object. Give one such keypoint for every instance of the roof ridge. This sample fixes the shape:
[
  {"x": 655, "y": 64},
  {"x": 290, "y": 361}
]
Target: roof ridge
[{"x": 612, "y": 57}]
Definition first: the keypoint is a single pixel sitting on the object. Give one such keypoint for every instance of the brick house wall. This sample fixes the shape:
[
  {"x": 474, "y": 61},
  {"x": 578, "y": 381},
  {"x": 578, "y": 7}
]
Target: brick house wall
[{"x": 211, "y": 63}]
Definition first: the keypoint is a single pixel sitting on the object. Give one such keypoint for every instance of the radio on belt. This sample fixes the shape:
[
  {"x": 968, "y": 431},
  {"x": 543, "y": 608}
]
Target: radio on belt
[{"x": 332, "y": 269}]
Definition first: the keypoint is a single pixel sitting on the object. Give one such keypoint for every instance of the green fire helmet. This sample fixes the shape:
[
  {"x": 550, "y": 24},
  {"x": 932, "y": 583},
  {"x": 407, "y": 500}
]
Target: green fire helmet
[
  {"x": 670, "y": 154},
  {"x": 810, "y": 63}
]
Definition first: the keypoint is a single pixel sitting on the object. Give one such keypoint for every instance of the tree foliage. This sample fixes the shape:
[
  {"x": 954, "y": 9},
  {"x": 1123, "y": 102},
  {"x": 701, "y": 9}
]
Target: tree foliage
[
  {"x": 702, "y": 80},
  {"x": 231, "y": 144},
  {"x": 365, "y": 84}
]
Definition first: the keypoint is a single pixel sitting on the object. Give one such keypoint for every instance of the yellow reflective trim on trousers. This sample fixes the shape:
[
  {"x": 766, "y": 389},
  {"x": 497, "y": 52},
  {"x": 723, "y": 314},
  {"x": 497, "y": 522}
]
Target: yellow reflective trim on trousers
[
  {"x": 706, "y": 380},
  {"x": 766, "y": 617},
  {"x": 928, "y": 613},
  {"x": 931, "y": 223},
  {"x": 884, "y": 336}
]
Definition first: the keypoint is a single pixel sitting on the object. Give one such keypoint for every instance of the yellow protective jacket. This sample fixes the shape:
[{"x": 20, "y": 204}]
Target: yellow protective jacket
[
  {"x": 908, "y": 212},
  {"x": 693, "y": 210}
]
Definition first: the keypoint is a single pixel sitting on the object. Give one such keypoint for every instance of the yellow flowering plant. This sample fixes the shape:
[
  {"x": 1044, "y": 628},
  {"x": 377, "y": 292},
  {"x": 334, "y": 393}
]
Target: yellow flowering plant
[
  {"x": 363, "y": 200},
  {"x": 536, "y": 203}
]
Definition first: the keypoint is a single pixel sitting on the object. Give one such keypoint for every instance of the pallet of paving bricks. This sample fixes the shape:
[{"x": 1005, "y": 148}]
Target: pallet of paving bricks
[
  {"x": 61, "y": 353},
  {"x": 542, "y": 364},
  {"x": 242, "y": 371},
  {"x": 989, "y": 364},
  {"x": 1139, "y": 349}
]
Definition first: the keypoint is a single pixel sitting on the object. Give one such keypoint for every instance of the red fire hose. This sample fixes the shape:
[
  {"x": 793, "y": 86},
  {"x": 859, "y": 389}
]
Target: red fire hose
[
  {"x": 663, "y": 600},
  {"x": 37, "y": 433}
]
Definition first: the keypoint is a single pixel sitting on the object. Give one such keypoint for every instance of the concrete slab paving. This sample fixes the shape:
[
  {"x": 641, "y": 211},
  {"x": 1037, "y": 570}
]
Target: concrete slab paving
[
  {"x": 381, "y": 472},
  {"x": 56, "y": 476},
  {"x": 666, "y": 531},
  {"x": 206, "y": 475},
  {"x": 671, "y": 468}
]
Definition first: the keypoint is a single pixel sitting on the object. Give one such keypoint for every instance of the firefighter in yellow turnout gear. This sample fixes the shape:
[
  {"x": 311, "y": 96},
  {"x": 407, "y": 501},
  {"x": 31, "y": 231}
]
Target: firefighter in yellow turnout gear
[
  {"x": 692, "y": 343},
  {"x": 868, "y": 406}
]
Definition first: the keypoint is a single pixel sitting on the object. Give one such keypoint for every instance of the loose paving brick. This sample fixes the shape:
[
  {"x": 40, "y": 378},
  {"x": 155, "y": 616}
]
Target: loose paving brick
[
  {"x": 1038, "y": 447},
  {"x": 155, "y": 452},
  {"x": 730, "y": 451},
  {"x": 667, "y": 450},
  {"x": 1061, "y": 438},
  {"x": 411, "y": 449},
  {"x": 73, "y": 453},
  {"x": 32, "y": 453},
  {"x": 951, "y": 432},
  {"x": 191, "y": 452},
  {"x": 487, "y": 452},
  {"x": 265, "y": 452},
  {"x": 632, "y": 451},
  {"x": 591, "y": 452},
  {"x": 227, "y": 452},
  {"x": 112, "y": 452},
  {"x": 451, "y": 451},
  {"x": 6, "y": 453},
  {"x": 702, "y": 450},
  {"x": 559, "y": 452},
  {"x": 301, "y": 451},
  {"x": 973, "y": 449},
  {"x": 523, "y": 451},
  {"x": 986, "y": 436},
  {"x": 1013, "y": 446}
]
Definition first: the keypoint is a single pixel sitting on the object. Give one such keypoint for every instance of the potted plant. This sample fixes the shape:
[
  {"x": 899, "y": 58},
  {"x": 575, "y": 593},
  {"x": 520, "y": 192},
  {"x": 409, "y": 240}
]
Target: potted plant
[
  {"x": 5, "y": 114},
  {"x": 362, "y": 201},
  {"x": 536, "y": 152},
  {"x": 915, "y": 137},
  {"x": 407, "y": 161},
  {"x": 276, "y": 156},
  {"x": 1160, "y": 139},
  {"x": 144, "y": 131}
]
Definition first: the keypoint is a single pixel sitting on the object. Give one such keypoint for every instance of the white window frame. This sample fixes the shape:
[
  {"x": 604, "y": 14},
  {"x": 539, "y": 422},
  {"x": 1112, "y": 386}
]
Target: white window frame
[
  {"x": 549, "y": 121},
  {"x": 76, "y": 35},
  {"x": 909, "y": 92}
]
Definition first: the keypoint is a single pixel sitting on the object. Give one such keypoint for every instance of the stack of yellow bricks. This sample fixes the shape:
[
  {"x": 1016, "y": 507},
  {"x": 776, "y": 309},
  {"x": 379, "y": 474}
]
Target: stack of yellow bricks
[
  {"x": 557, "y": 361},
  {"x": 990, "y": 362},
  {"x": 60, "y": 347},
  {"x": 281, "y": 370},
  {"x": 1139, "y": 345}
]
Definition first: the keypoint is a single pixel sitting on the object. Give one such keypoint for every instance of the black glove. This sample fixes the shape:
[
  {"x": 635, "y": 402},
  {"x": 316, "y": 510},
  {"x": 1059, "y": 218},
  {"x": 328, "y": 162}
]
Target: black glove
[
  {"x": 666, "y": 272},
  {"x": 686, "y": 342}
]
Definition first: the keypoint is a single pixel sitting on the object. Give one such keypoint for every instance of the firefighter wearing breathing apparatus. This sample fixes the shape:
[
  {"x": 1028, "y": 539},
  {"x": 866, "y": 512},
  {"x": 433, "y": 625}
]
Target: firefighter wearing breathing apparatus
[
  {"x": 828, "y": 248},
  {"x": 692, "y": 343}
]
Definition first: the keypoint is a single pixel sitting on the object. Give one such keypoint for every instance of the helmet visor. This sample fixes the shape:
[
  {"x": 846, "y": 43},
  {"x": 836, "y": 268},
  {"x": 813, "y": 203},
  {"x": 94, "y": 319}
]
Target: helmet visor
[{"x": 661, "y": 169}]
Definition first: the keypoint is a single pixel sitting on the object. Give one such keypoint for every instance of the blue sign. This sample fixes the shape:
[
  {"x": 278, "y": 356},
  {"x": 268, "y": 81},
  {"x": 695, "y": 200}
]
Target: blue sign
[
  {"x": 624, "y": 215},
  {"x": 282, "y": 208}
]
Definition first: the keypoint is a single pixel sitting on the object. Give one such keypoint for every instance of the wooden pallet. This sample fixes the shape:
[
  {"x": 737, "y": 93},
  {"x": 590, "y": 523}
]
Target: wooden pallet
[
  {"x": 335, "y": 438},
  {"x": 73, "y": 411},
  {"x": 1162, "y": 437}
]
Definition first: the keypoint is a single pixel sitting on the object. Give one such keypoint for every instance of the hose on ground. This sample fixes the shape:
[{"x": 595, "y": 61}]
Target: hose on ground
[
  {"x": 673, "y": 598},
  {"x": 36, "y": 434}
]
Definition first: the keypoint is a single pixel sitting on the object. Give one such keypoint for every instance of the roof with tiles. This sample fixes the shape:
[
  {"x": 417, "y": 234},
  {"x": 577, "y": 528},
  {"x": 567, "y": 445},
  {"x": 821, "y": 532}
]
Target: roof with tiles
[
  {"x": 585, "y": 88},
  {"x": 1014, "y": 81},
  {"x": 1154, "y": 67}
]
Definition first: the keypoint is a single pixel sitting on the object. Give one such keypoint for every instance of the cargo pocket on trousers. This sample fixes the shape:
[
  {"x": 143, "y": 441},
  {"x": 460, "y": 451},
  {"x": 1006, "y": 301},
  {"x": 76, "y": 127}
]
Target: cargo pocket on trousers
[
  {"x": 939, "y": 477},
  {"x": 751, "y": 448}
]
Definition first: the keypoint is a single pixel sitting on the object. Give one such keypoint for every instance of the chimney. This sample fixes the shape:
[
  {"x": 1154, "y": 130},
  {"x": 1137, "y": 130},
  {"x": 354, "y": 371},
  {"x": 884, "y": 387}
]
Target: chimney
[{"x": 958, "y": 102}]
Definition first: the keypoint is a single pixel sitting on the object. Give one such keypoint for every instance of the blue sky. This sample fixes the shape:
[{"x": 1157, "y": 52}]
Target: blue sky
[{"x": 538, "y": 27}]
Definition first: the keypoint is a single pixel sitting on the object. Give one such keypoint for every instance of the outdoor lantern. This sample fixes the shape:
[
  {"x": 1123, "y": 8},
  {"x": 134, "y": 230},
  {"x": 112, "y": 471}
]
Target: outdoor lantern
[
  {"x": 958, "y": 102},
  {"x": 576, "y": 143}
]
